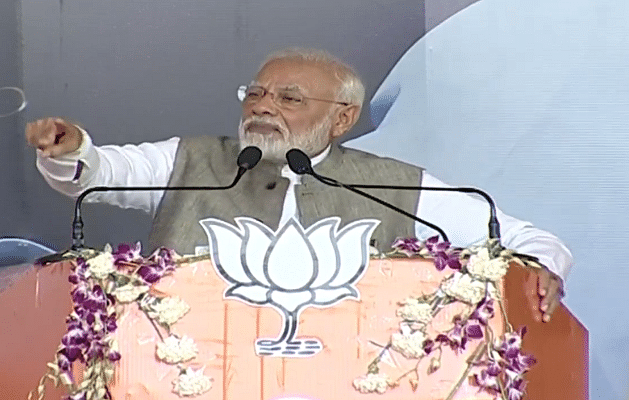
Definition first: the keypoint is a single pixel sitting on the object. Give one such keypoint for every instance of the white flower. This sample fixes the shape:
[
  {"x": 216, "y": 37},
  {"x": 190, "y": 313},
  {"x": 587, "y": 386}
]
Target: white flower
[
  {"x": 416, "y": 311},
  {"x": 168, "y": 310},
  {"x": 410, "y": 345},
  {"x": 191, "y": 383},
  {"x": 101, "y": 265},
  {"x": 484, "y": 267},
  {"x": 464, "y": 288},
  {"x": 173, "y": 350},
  {"x": 129, "y": 292},
  {"x": 372, "y": 383}
]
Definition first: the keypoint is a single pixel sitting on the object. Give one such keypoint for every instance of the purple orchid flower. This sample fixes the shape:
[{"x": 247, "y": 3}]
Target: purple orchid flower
[
  {"x": 150, "y": 273},
  {"x": 95, "y": 300},
  {"x": 72, "y": 353},
  {"x": 63, "y": 362},
  {"x": 127, "y": 253},
  {"x": 443, "y": 254},
  {"x": 434, "y": 246},
  {"x": 162, "y": 253},
  {"x": 489, "y": 378},
  {"x": 79, "y": 272},
  {"x": 408, "y": 246},
  {"x": 460, "y": 334},
  {"x": 113, "y": 356},
  {"x": 521, "y": 362},
  {"x": 75, "y": 336},
  {"x": 83, "y": 340},
  {"x": 450, "y": 260},
  {"x": 474, "y": 331},
  {"x": 79, "y": 293},
  {"x": 455, "y": 337},
  {"x": 77, "y": 396},
  {"x": 95, "y": 350},
  {"x": 508, "y": 368},
  {"x": 159, "y": 263},
  {"x": 428, "y": 346},
  {"x": 515, "y": 391},
  {"x": 484, "y": 311},
  {"x": 110, "y": 323},
  {"x": 511, "y": 345}
]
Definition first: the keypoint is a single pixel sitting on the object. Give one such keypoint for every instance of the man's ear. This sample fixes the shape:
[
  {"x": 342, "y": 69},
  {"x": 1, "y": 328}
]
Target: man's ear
[{"x": 345, "y": 118}]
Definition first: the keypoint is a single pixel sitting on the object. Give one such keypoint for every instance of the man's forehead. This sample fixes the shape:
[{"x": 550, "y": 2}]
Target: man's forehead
[
  {"x": 295, "y": 74},
  {"x": 280, "y": 86}
]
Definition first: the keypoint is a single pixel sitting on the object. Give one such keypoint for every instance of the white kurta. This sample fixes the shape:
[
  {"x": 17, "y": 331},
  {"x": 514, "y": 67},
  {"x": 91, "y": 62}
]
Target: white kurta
[{"x": 463, "y": 217}]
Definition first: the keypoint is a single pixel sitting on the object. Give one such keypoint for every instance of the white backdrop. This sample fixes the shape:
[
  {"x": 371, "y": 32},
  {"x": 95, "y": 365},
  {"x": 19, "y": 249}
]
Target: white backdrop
[{"x": 529, "y": 100}]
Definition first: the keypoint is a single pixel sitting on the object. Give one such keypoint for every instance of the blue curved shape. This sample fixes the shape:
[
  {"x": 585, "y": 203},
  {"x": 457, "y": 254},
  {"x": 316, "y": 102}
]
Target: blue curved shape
[{"x": 14, "y": 251}]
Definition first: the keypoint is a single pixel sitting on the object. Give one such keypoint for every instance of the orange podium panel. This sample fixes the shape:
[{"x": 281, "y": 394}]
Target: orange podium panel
[{"x": 35, "y": 303}]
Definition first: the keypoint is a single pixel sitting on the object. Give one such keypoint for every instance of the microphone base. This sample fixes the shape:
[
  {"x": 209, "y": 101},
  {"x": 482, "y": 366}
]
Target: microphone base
[{"x": 63, "y": 256}]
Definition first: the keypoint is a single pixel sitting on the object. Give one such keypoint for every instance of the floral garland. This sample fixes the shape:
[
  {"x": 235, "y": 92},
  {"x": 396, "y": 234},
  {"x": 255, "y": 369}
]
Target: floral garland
[
  {"x": 103, "y": 283},
  {"x": 473, "y": 283}
]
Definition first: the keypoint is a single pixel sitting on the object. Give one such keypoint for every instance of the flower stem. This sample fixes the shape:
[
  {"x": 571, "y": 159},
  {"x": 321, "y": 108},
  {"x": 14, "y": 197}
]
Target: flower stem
[
  {"x": 409, "y": 371},
  {"x": 193, "y": 259},
  {"x": 374, "y": 364},
  {"x": 470, "y": 363},
  {"x": 490, "y": 340},
  {"x": 503, "y": 311},
  {"x": 502, "y": 390},
  {"x": 382, "y": 346},
  {"x": 154, "y": 325}
]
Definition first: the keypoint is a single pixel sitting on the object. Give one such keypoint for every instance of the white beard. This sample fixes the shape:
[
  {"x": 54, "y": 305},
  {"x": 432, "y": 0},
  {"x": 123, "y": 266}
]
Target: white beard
[{"x": 274, "y": 146}]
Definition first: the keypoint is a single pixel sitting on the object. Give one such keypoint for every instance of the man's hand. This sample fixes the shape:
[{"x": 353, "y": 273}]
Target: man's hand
[
  {"x": 550, "y": 291},
  {"x": 53, "y": 136}
]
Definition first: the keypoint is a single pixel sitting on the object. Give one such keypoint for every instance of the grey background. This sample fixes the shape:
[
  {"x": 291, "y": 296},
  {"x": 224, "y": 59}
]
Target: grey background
[
  {"x": 147, "y": 70},
  {"x": 13, "y": 198}
]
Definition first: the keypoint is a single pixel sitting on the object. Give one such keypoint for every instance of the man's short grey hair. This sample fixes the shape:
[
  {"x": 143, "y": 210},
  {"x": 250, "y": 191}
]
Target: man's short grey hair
[{"x": 351, "y": 90}]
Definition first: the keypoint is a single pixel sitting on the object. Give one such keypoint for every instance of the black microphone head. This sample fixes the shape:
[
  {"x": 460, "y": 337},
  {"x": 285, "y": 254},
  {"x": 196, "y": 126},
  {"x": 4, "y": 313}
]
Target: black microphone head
[
  {"x": 249, "y": 157},
  {"x": 298, "y": 162}
]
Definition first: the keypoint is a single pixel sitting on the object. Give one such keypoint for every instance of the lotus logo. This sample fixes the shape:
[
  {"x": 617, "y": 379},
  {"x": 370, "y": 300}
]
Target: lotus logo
[{"x": 290, "y": 270}]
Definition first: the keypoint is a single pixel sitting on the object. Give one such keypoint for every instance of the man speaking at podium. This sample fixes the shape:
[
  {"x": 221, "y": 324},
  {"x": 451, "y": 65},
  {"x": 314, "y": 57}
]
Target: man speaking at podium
[{"x": 303, "y": 99}]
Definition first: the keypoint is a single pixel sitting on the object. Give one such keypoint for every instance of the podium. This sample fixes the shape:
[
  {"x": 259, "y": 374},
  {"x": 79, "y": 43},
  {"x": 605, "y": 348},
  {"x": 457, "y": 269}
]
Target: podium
[{"x": 36, "y": 300}]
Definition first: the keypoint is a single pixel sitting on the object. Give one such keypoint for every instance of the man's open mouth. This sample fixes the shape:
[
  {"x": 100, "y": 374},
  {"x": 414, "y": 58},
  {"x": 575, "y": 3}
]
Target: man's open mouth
[{"x": 263, "y": 128}]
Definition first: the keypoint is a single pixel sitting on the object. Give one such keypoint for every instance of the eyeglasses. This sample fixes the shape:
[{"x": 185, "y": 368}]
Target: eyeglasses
[{"x": 284, "y": 98}]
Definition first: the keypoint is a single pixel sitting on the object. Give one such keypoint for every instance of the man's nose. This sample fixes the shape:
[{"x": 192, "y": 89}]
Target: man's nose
[{"x": 265, "y": 106}]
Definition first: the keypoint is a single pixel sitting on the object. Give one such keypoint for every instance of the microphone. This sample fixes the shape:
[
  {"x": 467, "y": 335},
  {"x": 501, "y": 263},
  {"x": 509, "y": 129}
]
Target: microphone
[
  {"x": 247, "y": 159},
  {"x": 300, "y": 164}
]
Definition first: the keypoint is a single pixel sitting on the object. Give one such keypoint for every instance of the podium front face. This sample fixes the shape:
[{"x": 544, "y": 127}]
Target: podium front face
[
  {"x": 225, "y": 330},
  {"x": 33, "y": 306},
  {"x": 351, "y": 333}
]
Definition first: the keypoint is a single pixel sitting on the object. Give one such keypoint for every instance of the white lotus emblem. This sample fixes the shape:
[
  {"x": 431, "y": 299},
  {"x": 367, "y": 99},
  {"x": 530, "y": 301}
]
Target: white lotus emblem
[{"x": 290, "y": 269}]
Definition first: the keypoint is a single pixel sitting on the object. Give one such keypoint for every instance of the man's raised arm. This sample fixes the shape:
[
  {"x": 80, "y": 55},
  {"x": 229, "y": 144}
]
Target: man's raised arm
[{"x": 70, "y": 163}]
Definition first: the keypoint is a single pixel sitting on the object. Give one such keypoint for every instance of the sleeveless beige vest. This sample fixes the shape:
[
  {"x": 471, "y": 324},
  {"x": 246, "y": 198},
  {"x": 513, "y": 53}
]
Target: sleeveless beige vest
[{"x": 211, "y": 161}]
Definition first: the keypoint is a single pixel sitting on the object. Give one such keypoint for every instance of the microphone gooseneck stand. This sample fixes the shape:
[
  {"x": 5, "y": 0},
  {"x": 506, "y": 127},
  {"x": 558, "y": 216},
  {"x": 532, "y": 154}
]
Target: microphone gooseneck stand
[
  {"x": 300, "y": 164},
  {"x": 247, "y": 159}
]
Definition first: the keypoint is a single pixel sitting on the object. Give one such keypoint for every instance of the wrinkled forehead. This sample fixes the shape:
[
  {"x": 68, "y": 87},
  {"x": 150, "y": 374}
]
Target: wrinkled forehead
[{"x": 304, "y": 76}]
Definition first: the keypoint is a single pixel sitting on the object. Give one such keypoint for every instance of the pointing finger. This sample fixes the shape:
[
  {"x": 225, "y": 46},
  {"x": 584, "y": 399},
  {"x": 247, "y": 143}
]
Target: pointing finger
[{"x": 543, "y": 280}]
